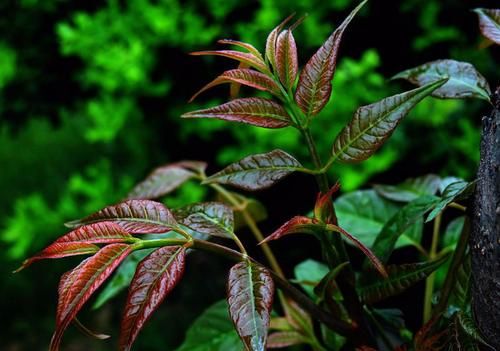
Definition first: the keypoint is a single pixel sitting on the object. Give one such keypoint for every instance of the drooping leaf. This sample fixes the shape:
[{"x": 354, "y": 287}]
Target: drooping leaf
[
  {"x": 81, "y": 242},
  {"x": 155, "y": 278},
  {"x": 213, "y": 218},
  {"x": 258, "y": 171},
  {"x": 373, "y": 124},
  {"x": 298, "y": 224},
  {"x": 287, "y": 65},
  {"x": 81, "y": 283},
  {"x": 464, "y": 80},
  {"x": 323, "y": 205},
  {"x": 400, "y": 278},
  {"x": 249, "y": 47},
  {"x": 134, "y": 216},
  {"x": 166, "y": 179},
  {"x": 283, "y": 339},
  {"x": 386, "y": 240},
  {"x": 489, "y": 23},
  {"x": 245, "y": 57},
  {"x": 471, "y": 330},
  {"x": 271, "y": 41},
  {"x": 246, "y": 77},
  {"x": 309, "y": 273},
  {"x": 453, "y": 192},
  {"x": 315, "y": 80},
  {"x": 255, "y": 111},
  {"x": 250, "y": 296},
  {"x": 410, "y": 189},
  {"x": 212, "y": 331}
]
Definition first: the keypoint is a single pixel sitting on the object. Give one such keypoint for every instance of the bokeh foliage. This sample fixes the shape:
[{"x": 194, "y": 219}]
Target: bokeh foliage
[{"x": 91, "y": 91}]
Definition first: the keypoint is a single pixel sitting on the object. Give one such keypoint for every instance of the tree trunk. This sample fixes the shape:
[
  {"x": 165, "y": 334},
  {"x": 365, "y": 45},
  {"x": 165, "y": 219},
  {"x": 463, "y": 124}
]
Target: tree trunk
[{"x": 485, "y": 234}]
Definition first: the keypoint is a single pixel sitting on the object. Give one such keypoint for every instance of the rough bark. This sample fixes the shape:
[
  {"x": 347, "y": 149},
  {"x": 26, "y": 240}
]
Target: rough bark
[{"x": 485, "y": 234}]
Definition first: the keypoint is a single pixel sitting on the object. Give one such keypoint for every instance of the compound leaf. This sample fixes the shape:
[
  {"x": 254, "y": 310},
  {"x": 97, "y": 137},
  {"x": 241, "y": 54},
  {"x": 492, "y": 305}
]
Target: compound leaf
[
  {"x": 213, "y": 218},
  {"x": 489, "y": 23},
  {"x": 373, "y": 124},
  {"x": 250, "y": 298}
]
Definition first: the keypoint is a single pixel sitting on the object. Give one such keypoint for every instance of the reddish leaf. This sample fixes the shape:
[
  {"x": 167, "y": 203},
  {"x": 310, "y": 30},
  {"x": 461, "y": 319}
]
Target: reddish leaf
[
  {"x": 80, "y": 241},
  {"x": 88, "y": 332},
  {"x": 249, "y": 47},
  {"x": 287, "y": 64},
  {"x": 255, "y": 111},
  {"x": 315, "y": 80},
  {"x": 166, "y": 179},
  {"x": 489, "y": 23},
  {"x": 78, "y": 285},
  {"x": 298, "y": 224},
  {"x": 250, "y": 297},
  {"x": 154, "y": 279},
  {"x": 212, "y": 218},
  {"x": 284, "y": 339},
  {"x": 248, "y": 77},
  {"x": 323, "y": 205},
  {"x": 234, "y": 88},
  {"x": 134, "y": 216},
  {"x": 271, "y": 41},
  {"x": 258, "y": 171},
  {"x": 244, "y": 57}
]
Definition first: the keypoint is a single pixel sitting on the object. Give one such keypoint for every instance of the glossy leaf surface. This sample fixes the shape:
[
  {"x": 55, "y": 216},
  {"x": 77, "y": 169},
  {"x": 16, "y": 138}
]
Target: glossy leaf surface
[
  {"x": 245, "y": 57},
  {"x": 249, "y": 47},
  {"x": 250, "y": 296},
  {"x": 287, "y": 64},
  {"x": 283, "y": 339},
  {"x": 166, "y": 179},
  {"x": 464, "y": 80},
  {"x": 315, "y": 80},
  {"x": 489, "y": 23},
  {"x": 453, "y": 192},
  {"x": 155, "y": 277},
  {"x": 255, "y": 111},
  {"x": 323, "y": 205},
  {"x": 298, "y": 224},
  {"x": 410, "y": 189},
  {"x": 246, "y": 77},
  {"x": 400, "y": 278},
  {"x": 258, "y": 171},
  {"x": 212, "y": 331},
  {"x": 373, "y": 124},
  {"x": 213, "y": 218},
  {"x": 134, "y": 216},
  {"x": 271, "y": 42},
  {"x": 80, "y": 284}
]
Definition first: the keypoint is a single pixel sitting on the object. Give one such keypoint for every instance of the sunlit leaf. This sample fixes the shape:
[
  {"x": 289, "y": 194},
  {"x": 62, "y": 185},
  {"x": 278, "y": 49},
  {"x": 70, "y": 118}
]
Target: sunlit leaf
[
  {"x": 463, "y": 79},
  {"x": 212, "y": 331},
  {"x": 213, "y": 218},
  {"x": 287, "y": 65},
  {"x": 315, "y": 80},
  {"x": 271, "y": 42},
  {"x": 81, "y": 283},
  {"x": 134, "y": 216},
  {"x": 298, "y": 224},
  {"x": 258, "y": 171},
  {"x": 166, "y": 179},
  {"x": 283, "y": 339},
  {"x": 453, "y": 192},
  {"x": 373, "y": 124},
  {"x": 489, "y": 23},
  {"x": 245, "y": 57},
  {"x": 250, "y": 297},
  {"x": 246, "y": 77},
  {"x": 155, "y": 278},
  {"x": 400, "y": 278},
  {"x": 255, "y": 111},
  {"x": 410, "y": 189}
]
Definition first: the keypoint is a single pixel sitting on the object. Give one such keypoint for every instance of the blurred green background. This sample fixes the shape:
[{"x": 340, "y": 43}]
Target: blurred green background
[{"x": 90, "y": 98}]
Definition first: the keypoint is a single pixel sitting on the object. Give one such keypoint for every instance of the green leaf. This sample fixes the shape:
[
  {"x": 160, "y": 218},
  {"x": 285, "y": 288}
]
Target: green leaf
[
  {"x": 373, "y": 124},
  {"x": 464, "y": 80},
  {"x": 410, "y": 189},
  {"x": 328, "y": 281},
  {"x": 470, "y": 328},
  {"x": 250, "y": 292},
  {"x": 255, "y": 111},
  {"x": 453, "y": 192},
  {"x": 489, "y": 23},
  {"x": 386, "y": 240},
  {"x": 287, "y": 64},
  {"x": 309, "y": 273},
  {"x": 460, "y": 296},
  {"x": 212, "y": 218},
  {"x": 452, "y": 232},
  {"x": 212, "y": 331},
  {"x": 401, "y": 277},
  {"x": 258, "y": 171}
]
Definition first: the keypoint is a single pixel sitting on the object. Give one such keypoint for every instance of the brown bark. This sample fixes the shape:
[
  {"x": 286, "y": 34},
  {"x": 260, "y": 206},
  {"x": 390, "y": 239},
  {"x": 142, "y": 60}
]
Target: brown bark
[{"x": 485, "y": 234}]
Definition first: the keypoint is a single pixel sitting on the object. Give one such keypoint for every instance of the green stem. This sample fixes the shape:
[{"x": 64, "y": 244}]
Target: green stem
[
  {"x": 456, "y": 261},
  {"x": 429, "y": 283}
]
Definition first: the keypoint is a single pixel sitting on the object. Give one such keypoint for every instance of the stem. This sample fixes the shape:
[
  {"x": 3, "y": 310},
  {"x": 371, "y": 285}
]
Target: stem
[
  {"x": 429, "y": 284},
  {"x": 458, "y": 206},
  {"x": 456, "y": 261}
]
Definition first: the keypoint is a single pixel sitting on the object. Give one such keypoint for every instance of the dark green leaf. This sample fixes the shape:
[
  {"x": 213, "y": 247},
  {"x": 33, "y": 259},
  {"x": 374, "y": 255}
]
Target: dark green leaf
[
  {"x": 460, "y": 296},
  {"x": 453, "y": 192},
  {"x": 373, "y": 124},
  {"x": 464, "y": 80},
  {"x": 470, "y": 328},
  {"x": 328, "y": 281},
  {"x": 309, "y": 273},
  {"x": 452, "y": 232},
  {"x": 258, "y": 171},
  {"x": 410, "y": 189},
  {"x": 489, "y": 23},
  {"x": 213, "y": 218}
]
